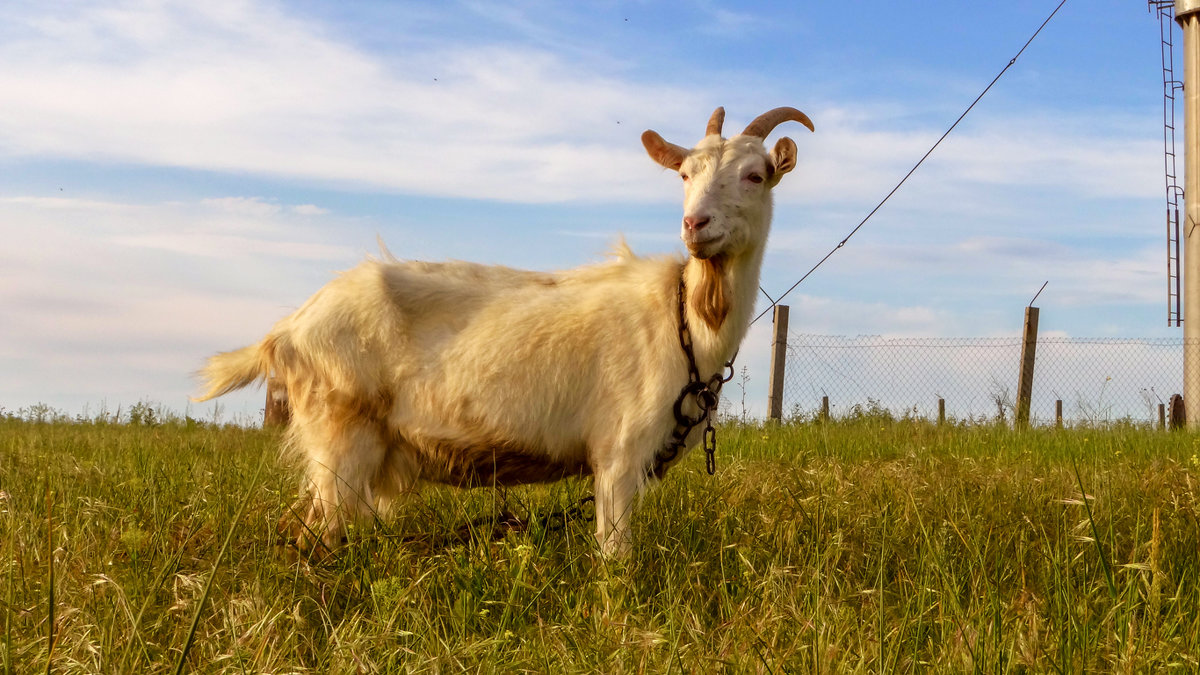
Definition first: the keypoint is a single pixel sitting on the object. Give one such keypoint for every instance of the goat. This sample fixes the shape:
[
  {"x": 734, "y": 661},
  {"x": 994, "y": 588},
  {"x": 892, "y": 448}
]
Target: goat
[{"x": 400, "y": 373}]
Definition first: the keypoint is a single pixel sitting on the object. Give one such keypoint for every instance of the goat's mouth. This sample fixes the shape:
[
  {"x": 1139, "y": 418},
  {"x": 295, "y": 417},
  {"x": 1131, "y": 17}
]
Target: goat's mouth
[{"x": 704, "y": 248}]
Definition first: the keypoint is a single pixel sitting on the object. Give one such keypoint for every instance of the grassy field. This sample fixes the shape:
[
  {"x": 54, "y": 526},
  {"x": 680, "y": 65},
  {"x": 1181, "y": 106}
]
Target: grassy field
[{"x": 861, "y": 545}]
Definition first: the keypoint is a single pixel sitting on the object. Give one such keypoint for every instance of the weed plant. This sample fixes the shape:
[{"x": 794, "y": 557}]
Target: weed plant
[{"x": 867, "y": 544}]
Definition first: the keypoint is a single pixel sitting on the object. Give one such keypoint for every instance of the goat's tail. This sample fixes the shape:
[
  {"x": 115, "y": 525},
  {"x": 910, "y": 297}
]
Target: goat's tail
[{"x": 229, "y": 371}]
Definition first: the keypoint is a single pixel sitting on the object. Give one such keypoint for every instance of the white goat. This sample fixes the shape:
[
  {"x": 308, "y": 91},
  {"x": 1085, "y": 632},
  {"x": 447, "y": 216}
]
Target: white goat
[{"x": 474, "y": 375}]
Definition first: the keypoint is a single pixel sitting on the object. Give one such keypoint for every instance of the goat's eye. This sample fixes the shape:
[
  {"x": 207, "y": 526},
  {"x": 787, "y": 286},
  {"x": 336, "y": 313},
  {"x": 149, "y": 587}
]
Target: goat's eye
[
  {"x": 684, "y": 176},
  {"x": 754, "y": 178}
]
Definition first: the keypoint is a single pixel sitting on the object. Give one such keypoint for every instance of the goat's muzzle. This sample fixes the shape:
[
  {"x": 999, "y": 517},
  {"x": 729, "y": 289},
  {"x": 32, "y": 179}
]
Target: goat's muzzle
[{"x": 701, "y": 244}]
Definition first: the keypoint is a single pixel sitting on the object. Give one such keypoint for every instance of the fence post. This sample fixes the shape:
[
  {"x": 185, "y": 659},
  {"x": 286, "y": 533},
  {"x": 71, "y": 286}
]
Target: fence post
[
  {"x": 1028, "y": 353},
  {"x": 277, "y": 412},
  {"x": 1058, "y": 414},
  {"x": 824, "y": 408},
  {"x": 778, "y": 363},
  {"x": 941, "y": 410},
  {"x": 1162, "y": 417}
]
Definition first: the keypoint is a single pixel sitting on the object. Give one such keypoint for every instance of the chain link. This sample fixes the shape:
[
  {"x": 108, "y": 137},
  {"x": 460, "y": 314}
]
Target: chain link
[{"x": 554, "y": 521}]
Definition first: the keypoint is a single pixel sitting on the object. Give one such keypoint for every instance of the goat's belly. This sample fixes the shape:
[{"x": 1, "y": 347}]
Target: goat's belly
[{"x": 481, "y": 466}]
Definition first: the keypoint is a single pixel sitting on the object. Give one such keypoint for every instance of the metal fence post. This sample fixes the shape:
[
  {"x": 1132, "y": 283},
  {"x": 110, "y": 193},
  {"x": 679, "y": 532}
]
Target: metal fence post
[
  {"x": 778, "y": 363},
  {"x": 1028, "y": 354},
  {"x": 1178, "y": 413}
]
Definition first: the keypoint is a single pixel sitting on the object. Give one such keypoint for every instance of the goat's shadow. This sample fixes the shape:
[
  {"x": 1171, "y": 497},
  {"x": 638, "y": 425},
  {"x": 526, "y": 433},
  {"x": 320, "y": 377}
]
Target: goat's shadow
[{"x": 486, "y": 529}]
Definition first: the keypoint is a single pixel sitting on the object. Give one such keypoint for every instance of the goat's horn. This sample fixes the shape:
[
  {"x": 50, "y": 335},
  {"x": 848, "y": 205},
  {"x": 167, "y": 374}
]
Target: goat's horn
[
  {"x": 715, "y": 122},
  {"x": 762, "y": 125}
]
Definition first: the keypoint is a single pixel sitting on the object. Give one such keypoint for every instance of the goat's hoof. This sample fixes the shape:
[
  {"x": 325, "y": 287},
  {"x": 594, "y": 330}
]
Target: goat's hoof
[{"x": 291, "y": 523}]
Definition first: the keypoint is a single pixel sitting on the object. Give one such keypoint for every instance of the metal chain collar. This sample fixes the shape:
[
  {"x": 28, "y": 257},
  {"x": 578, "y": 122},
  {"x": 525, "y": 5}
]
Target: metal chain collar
[{"x": 706, "y": 395}]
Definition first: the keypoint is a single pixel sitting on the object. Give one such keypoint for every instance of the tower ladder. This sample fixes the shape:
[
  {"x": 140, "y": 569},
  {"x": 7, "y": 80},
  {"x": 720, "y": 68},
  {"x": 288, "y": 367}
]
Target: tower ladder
[{"x": 1166, "y": 27}]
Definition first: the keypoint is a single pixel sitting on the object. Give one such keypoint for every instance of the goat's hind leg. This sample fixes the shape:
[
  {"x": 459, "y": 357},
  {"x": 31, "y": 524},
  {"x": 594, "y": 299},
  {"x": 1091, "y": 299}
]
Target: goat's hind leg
[{"x": 343, "y": 461}]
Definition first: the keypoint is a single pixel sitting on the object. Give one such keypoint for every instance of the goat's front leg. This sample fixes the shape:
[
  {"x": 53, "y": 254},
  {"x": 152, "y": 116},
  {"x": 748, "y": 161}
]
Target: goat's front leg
[{"x": 616, "y": 486}]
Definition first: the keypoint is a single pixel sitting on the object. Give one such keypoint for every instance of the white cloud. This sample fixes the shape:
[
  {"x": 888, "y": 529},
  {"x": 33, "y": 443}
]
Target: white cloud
[
  {"x": 245, "y": 206},
  {"x": 240, "y": 86},
  {"x": 309, "y": 210},
  {"x": 235, "y": 85},
  {"x": 118, "y": 301},
  {"x": 858, "y": 158},
  {"x": 966, "y": 275},
  {"x": 225, "y": 246},
  {"x": 833, "y": 316},
  {"x": 723, "y": 23}
]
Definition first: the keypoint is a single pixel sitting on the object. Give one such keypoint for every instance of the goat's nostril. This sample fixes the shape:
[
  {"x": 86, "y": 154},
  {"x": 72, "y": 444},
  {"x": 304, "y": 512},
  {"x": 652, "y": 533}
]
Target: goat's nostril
[{"x": 695, "y": 223}]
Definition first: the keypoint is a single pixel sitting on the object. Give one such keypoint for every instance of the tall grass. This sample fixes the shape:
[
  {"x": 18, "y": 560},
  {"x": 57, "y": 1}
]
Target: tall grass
[{"x": 863, "y": 545}]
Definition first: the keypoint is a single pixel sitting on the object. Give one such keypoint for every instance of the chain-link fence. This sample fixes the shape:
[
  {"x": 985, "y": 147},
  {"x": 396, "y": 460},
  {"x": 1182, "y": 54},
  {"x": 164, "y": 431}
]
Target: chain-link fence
[{"x": 1099, "y": 381}]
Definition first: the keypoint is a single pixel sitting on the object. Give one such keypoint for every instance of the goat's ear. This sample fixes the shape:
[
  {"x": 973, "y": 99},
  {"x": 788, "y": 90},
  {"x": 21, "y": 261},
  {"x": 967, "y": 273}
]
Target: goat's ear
[
  {"x": 783, "y": 158},
  {"x": 666, "y": 154}
]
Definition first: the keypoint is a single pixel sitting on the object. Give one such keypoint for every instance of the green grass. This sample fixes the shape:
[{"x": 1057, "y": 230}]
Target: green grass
[{"x": 866, "y": 545}]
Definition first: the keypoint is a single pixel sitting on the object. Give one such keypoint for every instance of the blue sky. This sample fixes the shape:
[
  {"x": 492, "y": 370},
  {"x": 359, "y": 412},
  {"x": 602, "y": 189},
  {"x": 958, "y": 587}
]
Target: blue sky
[{"x": 176, "y": 176}]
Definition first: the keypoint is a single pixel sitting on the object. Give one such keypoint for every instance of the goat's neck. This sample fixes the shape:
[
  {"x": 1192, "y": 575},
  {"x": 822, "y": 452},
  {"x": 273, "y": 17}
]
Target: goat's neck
[{"x": 720, "y": 299}]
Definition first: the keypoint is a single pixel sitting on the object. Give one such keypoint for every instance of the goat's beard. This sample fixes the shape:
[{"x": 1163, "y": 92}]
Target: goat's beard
[{"x": 710, "y": 297}]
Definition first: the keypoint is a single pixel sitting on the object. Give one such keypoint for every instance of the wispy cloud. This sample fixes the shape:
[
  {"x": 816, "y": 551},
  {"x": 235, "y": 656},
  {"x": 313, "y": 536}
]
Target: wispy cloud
[
  {"x": 972, "y": 285},
  {"x": 241, "y": 86},
  {"x": 725, "y": 23},
  {"x": 859, "y": 157},
  {"x": 129, "y": 298},
  {"x": 74, "y": 264}
]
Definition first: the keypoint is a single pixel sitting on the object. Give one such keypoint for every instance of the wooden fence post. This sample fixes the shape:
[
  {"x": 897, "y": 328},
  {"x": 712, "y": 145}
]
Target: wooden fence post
[
  {"x": 824, "y": 408},
  {"x": 1162, "y": 417},
  {"x": 277, "y": 412},
  {"x": 1058, "y": 414},
  {"x": 1028, "y": 356},
  {"x": 778, "y": 363},
  {"x": 941, "y": 410}
]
